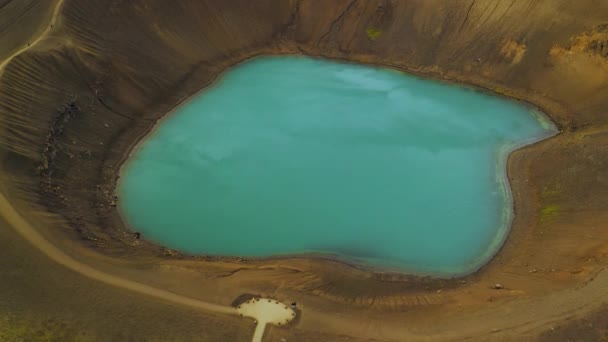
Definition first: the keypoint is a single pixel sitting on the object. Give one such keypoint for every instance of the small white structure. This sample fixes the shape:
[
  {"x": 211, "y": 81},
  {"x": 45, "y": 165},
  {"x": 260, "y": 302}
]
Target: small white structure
[{"x": 265, "y": 311}]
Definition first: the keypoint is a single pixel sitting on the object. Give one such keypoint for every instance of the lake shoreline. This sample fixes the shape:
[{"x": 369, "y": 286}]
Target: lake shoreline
[
  {"x": 409, "y": 284},
  {"x": 412, "y": 283},
  {"x": 378, "y": 266}
]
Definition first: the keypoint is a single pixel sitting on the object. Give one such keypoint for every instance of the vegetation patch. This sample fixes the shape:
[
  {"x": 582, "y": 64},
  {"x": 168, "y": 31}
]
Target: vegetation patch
[
  {"x": 373, "y": 33},
  {"x": 13, "y": 329},
  {"x": 549, "y": 212}
]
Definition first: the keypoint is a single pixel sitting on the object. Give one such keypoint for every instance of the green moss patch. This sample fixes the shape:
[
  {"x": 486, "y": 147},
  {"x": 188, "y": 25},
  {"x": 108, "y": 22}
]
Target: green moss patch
[
  {"x": 549, "y": 212},
  {"x": 373, "y": 33}
]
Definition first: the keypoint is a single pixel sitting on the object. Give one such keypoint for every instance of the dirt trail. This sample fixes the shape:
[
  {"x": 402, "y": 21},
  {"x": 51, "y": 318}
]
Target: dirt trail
[
  {"x": 30, "y": 234},
  {"x": 25, "y": 229},
  {"x": 42, "y": 35}
]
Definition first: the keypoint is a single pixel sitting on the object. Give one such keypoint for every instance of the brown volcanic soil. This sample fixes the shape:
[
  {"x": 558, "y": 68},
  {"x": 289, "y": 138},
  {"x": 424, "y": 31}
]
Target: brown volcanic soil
[{"x": 74, "y": 104}]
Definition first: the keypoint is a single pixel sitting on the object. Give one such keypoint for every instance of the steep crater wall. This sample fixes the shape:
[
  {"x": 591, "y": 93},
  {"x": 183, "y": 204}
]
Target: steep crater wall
[{"x": 73, "y": 105}]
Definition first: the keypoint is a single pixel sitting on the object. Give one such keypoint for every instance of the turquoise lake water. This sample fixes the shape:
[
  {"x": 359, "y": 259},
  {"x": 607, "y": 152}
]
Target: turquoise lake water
[{"x": 293, "y": 155}]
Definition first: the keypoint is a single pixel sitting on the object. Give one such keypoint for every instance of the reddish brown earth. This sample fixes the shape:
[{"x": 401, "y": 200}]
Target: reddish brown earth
[{"x": 88, "y": 88}]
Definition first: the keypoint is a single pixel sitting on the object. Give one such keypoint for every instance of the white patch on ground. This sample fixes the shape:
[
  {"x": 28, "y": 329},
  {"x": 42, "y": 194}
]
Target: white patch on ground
[{"x": 265, "y": 311}]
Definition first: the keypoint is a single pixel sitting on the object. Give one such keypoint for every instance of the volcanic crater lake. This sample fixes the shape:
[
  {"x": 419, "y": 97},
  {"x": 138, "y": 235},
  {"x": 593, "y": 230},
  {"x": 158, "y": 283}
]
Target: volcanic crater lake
[{"x": 294, "y": 155}]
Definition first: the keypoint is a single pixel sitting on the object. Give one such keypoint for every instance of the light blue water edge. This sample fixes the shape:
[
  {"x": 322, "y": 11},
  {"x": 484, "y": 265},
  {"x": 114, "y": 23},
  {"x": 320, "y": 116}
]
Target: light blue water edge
[{"x": 297, "y": 156}]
